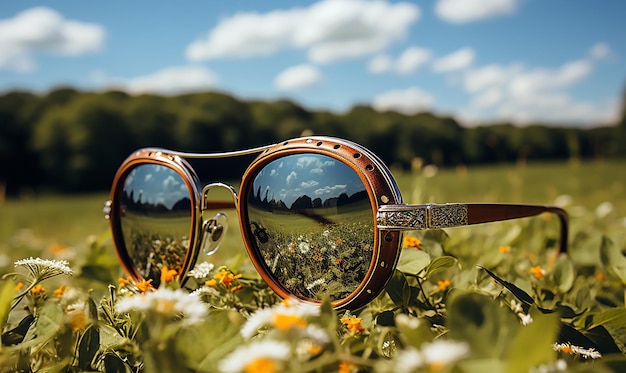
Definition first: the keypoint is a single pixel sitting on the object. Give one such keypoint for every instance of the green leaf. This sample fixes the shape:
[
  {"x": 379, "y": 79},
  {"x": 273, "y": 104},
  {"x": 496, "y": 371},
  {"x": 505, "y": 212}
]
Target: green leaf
[
  {"x": 412, "y": 261},
  {"x": 88, "y": 346},
  {"x": 532, "y": 345},
  {"x": 517, "y": 292},
  {"x": 613, "y": 317},
  {"x": 613, "y": 260},
  {"x": 563, "y": 273},
  {"x": 6, "y": 297},
  {"x": 478, "y": 320},
  {"x": 440, "y": 264},
  {"x": 399, "y": 290}
]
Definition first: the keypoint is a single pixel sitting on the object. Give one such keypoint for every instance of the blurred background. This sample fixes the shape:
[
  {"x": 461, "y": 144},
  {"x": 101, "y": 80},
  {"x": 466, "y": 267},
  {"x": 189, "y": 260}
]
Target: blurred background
[{"x": 465, "y": 100}]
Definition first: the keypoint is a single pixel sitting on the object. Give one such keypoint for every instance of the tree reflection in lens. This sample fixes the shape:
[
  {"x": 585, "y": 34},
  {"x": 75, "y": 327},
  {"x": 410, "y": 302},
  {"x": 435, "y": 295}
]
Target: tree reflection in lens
[
  {"x": 155, "y": 219},
  {"x": 313, "y": 225}
]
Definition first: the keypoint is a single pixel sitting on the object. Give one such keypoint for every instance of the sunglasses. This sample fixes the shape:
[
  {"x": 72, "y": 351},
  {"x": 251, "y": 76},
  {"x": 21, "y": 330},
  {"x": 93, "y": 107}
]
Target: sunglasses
[{"x": 319, "y": 216}]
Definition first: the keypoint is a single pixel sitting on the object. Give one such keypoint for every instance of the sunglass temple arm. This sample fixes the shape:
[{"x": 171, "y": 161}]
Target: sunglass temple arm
[{"x": 416, "y": 217}]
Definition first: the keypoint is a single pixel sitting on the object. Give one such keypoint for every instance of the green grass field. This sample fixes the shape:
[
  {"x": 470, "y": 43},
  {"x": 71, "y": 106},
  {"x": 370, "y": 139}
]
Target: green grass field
[
  {"x": 36, "y": 224},
  {"x": 497, "y": 292}
]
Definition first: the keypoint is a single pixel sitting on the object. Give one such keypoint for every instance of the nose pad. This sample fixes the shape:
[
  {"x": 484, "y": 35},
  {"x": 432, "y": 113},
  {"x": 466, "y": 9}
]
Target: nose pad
[{"x": 213, "y": 231}]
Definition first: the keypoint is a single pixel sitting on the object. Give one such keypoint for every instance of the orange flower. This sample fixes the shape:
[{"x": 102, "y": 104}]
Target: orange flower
[
  {"x": 410, "y": 241},
  {"x": 504, "y": 249},
  {"x": 58, "y": 249},
  {"x": 225, "y": 277},
  {"x": 38, "y": 289},
  {"x": 19, "y": 286},
  {"x": 353, "y": 323},
  {"x": 443, "y": 285},
  {"x": 144, "y": 285},
  {"x": 537, "y": 271},
  {"x": 345, "y": 367},
  {"x": 75, "y": 319},
  {"x": 285, "y": 322},
  {"x": 261, "y": 365},
  {"x": 124, "y": 281},
  {"x": 168, "y": 275},
  {"x": 60, "y": 290},
  {"x": 599, "y": 276},
  {"x": 211, "y": 283},
  {"x": 236, "y": 288}
]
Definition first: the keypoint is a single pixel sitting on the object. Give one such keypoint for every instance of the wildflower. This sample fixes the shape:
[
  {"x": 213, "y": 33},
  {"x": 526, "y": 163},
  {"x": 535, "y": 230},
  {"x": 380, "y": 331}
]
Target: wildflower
[
  {"x": 226, "y": 277},
  {"x": 211, "y": 283},
  {"x": 260, "y": 357},
  {"x": 144, "y": 285},
  {"x": 410, "y": 241},
  {"x": 599, "y": 275},
  {"x": 345, "y": 367},
  {"x": 166, "y": 302},
  {"x": 407, "y": 321},
  {"x": 60, "y": 290},
  {"x": 168, "y": 275},
  {"x": 503, "y": 249},
  {"x": 288, "y": 315},
  {"x": 537, "y": 271},
  {"x": 525, "y": 318},
  {"x": 441, "y": 353},
  {"x": 124, "y": 281},
  {"x": 353, "y": 323},
  {"x": 408, "y": 360},
  {"x": 37, "y": 289},
  {"x": 19, "y": 286},
  {"x": 201, "y": 270},
  {"x": 75, "y": 319},
  {"x": 42, "y": 269},
  {"x": 568, "y": 348},
  {"x": 304, "y": 247},
  {"x": 443, "y": 285},
  {"x": 236, "y": 288}
]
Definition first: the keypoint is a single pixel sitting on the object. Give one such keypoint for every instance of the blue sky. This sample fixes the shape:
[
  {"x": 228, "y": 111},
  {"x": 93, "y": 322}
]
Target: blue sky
[{"x": 553, "y": 61}]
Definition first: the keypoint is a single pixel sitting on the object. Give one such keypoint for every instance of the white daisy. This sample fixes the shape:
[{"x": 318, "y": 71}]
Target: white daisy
[
  {"x": 166, "y": 302},
  {"x": 201, "y": 271},
  {"x": 289, "y": 309},
  {"x": 440, "y": 352},
  {"x": 246, "y": 357}
]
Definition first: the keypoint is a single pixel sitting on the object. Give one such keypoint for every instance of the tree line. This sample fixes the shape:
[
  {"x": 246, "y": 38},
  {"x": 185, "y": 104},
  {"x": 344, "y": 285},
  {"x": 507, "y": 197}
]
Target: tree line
[{"x": 70, "y": 140}]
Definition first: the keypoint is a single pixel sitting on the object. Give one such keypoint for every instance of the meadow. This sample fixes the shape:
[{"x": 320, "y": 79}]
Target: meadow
[{"x": 529, "y": 309}]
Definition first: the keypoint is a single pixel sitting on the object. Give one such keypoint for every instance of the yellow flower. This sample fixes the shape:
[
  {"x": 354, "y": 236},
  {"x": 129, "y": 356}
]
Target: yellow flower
[
  {"x": 599, "y": 276},
  {"x": 314, "y": 349},
  {"x": 168, "y": 275},
  {"x": 75, "y": 319},
  {"x": 537, "y": 271},
  {"x": 410, "y": 241},
  {"x": 124, "y": 281},
  {"x": 38, "y": 289},
  {"x": 60, "y": 290},
  {"x": 144, "y": 285},
  {"x": 443, "y": 285},
  {"x": 211, "y": 283},
  {"x": 504, "y": 249},
  {"x": 225, "y": 277},
  {"x": 19, "y": 286},
  {"x": 261, "y": 365},
  {"x": 353, "y": 323},
  {"x": 345, "y": 367},
  {"x": 285, "y": 322}
]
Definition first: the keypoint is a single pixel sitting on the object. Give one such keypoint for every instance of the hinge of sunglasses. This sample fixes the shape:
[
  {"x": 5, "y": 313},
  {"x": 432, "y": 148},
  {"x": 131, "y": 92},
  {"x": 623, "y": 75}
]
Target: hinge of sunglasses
[{"x": 415, "y": 217}]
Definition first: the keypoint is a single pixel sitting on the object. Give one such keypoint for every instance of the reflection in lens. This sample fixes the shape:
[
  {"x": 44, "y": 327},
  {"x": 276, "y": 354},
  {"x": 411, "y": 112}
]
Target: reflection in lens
[
  {"x": 312, "y": 224},
  {"x": 155, "y": 219}
]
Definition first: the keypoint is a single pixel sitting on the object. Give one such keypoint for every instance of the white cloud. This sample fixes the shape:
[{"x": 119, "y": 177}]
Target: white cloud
[
  {"x": 171, "y": 80},
  {"x": 328, "y": 30},
  {"x": 600, "y": 51},
  {"x": 43, "y": 30},
  {"x": 457, "y": 60},
  {"x": 409, "y": 101},
  {"x": 380, "y": 64},
  {"x": 522, "y": 95},
  {"x": 463, "y": 11},
  {"x": 295, "y": 77},
  {"x": 408, "y": 62}
]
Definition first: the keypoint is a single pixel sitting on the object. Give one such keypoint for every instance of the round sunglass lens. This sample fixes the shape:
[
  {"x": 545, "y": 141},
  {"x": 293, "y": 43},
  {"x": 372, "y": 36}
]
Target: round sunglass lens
[
  {"x": 311, "y": 223},
  {"x": 155, "y": 219}
]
